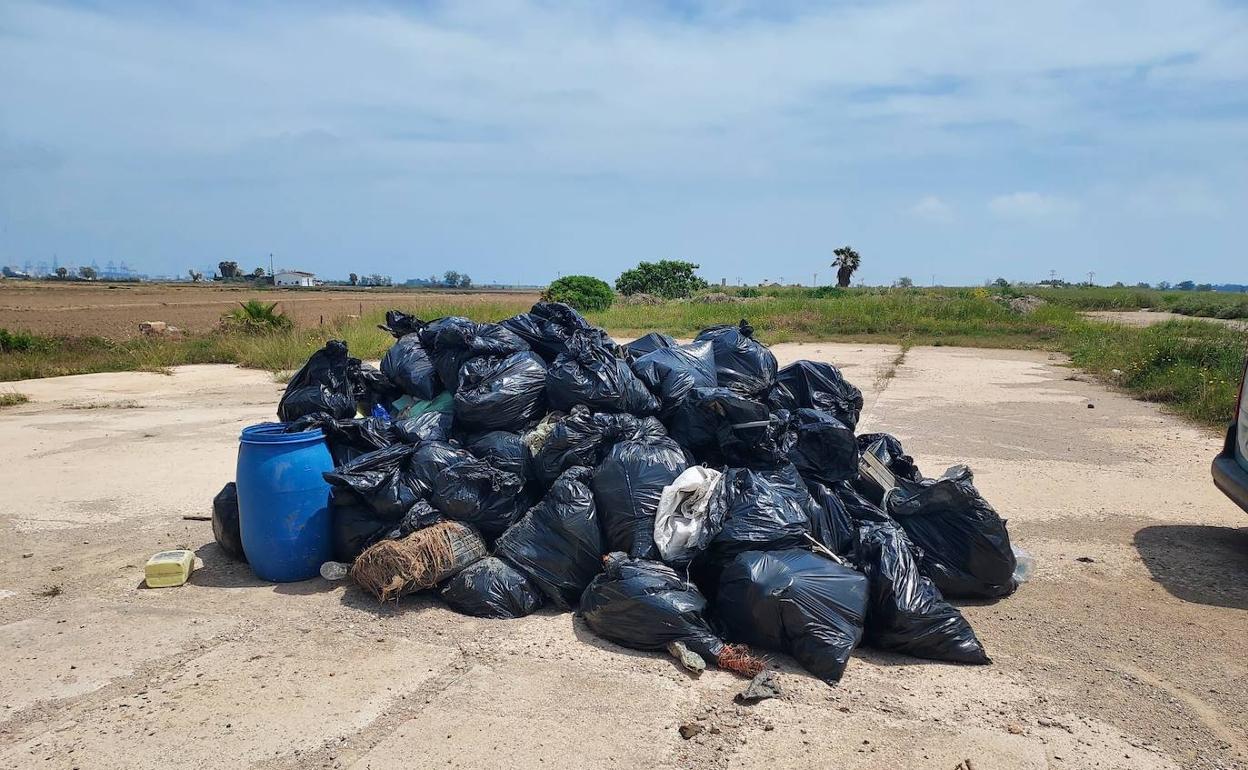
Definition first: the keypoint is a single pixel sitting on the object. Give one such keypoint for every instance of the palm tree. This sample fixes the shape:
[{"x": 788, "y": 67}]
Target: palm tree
[
  {"x": 847, "y": 261},
  {"x": 256, "y": 316}
]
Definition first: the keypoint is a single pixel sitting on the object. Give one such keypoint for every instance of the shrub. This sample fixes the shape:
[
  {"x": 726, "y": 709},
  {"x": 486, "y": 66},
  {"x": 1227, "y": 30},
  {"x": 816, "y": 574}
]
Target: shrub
[
  {"x": 749, "y": 292},
  {"x": 22, "y": 342},
  {"x": 583, "y": 292},
  {"x": 668, "y": 278},
  {"x": 256, "y": 317}
]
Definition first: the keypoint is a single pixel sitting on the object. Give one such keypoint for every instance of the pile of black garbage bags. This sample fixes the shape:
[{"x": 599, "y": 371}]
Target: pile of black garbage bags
[{"x": 726, "y": 491}]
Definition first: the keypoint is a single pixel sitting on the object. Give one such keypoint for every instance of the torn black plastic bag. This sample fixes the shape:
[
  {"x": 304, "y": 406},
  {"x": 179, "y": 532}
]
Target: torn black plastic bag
[
  {"x": 645, "y": 605},
  {"x": 475, "y": 492},
  {"x": 381, "y": 480},
  {"x": 648, "y": 343},
  {"x": 354, "y": 526},
  {"x": 558, "y": 543},
  {"x": 492, "y": 588},
  {"x": 797, "y": 602},
  {"x": 320, "y": 385},
  {"x": 501, "y": 393},
  {"x": 818, "y": 385},
  {"x": 764, "y": 511},
  {"x": 627, "y": 486},
  {"x": 722, "y": 427},
  {"x": 830, "y": 520},
  {"x": 505, "y": 451},
  {"x": 965, "y": 544},
  {"x": 591, "y": 375},
  {"x": 583, "y": 437},
  {"x": 225, "y": 528},
  {"x": 671, "y": 373},
  {"x": 453, "y": 340},
  {"x": 860, "y": 509},
  {"x": 741, "y": 362},
  {"x": 823, "y": 448},
  {"x": 906, "y": 612},
  {"x": 410, "y": 368},
  {"x": 886, "y": 448},
  {"x": 347, "y": 438},
  {"x": 547, "y": 327}
]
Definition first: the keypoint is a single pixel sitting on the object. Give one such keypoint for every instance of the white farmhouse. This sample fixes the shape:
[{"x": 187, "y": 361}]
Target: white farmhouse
[{"x": 294, "y": 278}]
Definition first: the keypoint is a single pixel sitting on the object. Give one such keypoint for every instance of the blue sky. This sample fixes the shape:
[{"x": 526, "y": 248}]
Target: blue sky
[{"x": 515, "y": 140}]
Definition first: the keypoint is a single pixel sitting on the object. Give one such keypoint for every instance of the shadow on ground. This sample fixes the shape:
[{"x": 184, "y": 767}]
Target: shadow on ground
[{"x": 1201, "y": 564}]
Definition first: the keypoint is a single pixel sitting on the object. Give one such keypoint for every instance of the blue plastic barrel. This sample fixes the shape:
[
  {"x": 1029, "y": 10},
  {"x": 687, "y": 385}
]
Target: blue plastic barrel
[{"x": 282, "y": 501}]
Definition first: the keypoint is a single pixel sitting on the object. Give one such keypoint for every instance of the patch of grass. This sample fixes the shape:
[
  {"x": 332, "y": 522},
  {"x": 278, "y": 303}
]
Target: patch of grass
[
  {"x": 12, "y": 398},
  {"x": 1192, "y": 366}
]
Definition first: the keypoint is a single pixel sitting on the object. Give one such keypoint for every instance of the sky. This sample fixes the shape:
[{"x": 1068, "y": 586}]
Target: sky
[{"x": 517, "y": 140}]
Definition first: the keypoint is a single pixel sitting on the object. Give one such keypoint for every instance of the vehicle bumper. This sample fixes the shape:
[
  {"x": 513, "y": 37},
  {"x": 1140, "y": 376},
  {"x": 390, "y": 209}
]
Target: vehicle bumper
[{"x": 1228, "y": 475}]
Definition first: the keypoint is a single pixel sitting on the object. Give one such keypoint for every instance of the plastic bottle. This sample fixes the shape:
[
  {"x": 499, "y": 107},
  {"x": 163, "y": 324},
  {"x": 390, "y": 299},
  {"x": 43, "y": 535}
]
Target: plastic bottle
[
  {"x": 1024, "y": 565},
  {"x": 334, "y": 570}
]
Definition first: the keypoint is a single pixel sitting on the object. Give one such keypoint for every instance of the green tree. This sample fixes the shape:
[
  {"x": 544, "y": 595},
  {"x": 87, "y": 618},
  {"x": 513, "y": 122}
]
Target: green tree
[
  {"x": 87, "y": 272},
  {"x": 668, "y": 278},
  {"x": 846, "y": 263},
  {"x": 1163, "y": 286},
  {"x": 1143, "y": 285},
  {"x": 62, "y": 272},
  {"x": 450, "y": 278},
  {"x": 1001, "y": 283},
  {"x": 583, "y": 292},
  {"x": 258, "y": 273},
  {"x": 465, "y": 281},
  {"x": 354, "y": 279},
  {"x": 1185, "y": 285},
  {"x": 229, "y": 270},
  {"x": 904, "y": 282}
]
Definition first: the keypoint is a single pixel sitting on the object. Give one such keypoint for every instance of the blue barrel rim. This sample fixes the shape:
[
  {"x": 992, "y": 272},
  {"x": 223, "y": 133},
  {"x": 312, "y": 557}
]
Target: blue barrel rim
[{"x": 275, "y": 433}]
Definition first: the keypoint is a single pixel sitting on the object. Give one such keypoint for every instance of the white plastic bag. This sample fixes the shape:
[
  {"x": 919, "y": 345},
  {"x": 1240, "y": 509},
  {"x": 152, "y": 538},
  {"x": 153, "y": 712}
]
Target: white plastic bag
[{"x": 681, "y": 524}]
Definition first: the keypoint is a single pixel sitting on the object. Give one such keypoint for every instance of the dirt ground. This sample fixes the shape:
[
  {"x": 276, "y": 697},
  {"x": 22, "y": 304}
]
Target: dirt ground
[
  {"x": 1150, "y": 317},
  {"x": 116, "y": 310},
  {"x": 1126, "y": 649}
]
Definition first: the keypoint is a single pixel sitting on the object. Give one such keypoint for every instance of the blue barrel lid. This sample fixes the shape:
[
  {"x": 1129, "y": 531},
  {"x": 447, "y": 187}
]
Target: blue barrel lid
[{"x": 275, "y": 433}]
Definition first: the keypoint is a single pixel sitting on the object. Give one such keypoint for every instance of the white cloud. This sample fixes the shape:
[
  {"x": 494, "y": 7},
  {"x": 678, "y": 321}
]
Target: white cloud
[
  {"x": 1031, "y": 205},
  {"x": 933, "y": 209}
]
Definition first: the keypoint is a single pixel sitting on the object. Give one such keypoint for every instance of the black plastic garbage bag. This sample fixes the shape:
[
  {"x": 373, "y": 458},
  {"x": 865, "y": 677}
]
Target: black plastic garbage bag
[
  {"x": 320, "y": 385},
  {"x": 381, "y": 480},
  {"x": 433, "y": 457},
  {"x": 492, "y": 588},
  {"x": 409, "y": 367},
  {"x": 823, "y": 447},
  {"x": 558, "y": 543},
  {"x": 400, "y": 324},
  {"x": 583, "y": 438},
  {"x": 764, "y": 511},
  {"x": 453, "y": 340},
  {"x": 370, "y": 386},
  {"x": 347, "y": 438},
  {"x": 797, "y": 602},
  {"x": 475, "y": 492},
  {"x": 905, "y": 612},
  {"x": 427, "y": 426},
  {"x": 225, "y": 522},
  {"x": 830, "y": 521},
  {"x": 547, "y": 327},
  {"x": 965, "y": 544},
  {"x": 817, "y": 385},
  {"x": 354, "y": 526},
  {"x": 591, "y": 374},
  {"x": 645, "y": 605},
  {"x": 627, "y": 486},
  {"x": 501, "y": 393},
  {"x": 720, "y": 426},
  {"x": 648, "y": 343},
  {"x": 741, "y": 362},
  {"x": 886, "y": 448},
  {"x": 672, "y": 372},
  {"x": 505, "y": 451},
  {"x": 860, "y": 509}
]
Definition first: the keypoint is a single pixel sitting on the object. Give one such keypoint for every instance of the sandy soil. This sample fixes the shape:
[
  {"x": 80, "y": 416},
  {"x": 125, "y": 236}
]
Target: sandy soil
[
  {"x": 1126, "y": 650},
  {"x": 1150, "y": 317},
  {"x": 116, "y": 310}
]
